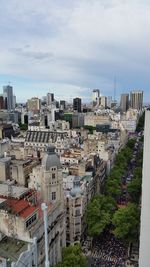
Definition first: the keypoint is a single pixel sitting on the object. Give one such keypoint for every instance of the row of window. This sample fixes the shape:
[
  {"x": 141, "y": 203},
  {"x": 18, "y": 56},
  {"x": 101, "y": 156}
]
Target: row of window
[{"x": 31, "y": 220}]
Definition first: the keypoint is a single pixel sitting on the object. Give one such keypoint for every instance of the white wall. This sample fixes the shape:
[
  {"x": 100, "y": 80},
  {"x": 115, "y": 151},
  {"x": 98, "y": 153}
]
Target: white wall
[{"x": 144, "y": 260}]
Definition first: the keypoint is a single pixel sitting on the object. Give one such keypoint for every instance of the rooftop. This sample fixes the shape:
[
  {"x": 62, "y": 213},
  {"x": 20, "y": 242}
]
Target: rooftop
[
  {"x": 4, "y": 160},
  {"x": 11, "y": 249},
  {"x": 16, "y": 191}
]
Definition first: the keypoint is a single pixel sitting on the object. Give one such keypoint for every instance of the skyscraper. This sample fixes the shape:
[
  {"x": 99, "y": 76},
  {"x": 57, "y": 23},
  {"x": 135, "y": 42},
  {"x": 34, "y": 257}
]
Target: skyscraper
[
  {"x": 77, "y": 104},
  {"x": 103, "y": 101},
  {"x": 95, "y": 97},
  {"x": 144, "y": 259},
  {"x": 1, "y": 102},
  {"x": 124, "y": 102},
  {"x": 49, "y": 98},
  {"x": 136, "y": 99},
  {"x": 62, "y": 104},
  {"x": 109, "y": 101},
  {"x": 8, "y": 97}
]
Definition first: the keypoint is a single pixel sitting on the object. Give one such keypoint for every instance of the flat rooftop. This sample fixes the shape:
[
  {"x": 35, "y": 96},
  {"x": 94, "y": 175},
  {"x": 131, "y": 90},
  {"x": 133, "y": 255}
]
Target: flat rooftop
[
  {"x": 16, "y": 191},
  {"x": 10, "y": 249}
]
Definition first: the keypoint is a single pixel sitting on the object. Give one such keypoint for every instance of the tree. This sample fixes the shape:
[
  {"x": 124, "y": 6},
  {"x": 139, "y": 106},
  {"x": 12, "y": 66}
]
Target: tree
[
  {"x": 72, "y": 257},
  {"x": 99, "y": 214},
  {"x": 131, "y": 143},
  {"x": 126, "y": 221},
  {"x": 134, "y": 189},
  {"x": 138, "y": 172},
  {"x": 140, "y": 124},
  {"x": 113, "y": 188},
  {"x": 90, "y": 128},
  {"x": 23, "y": 127}
]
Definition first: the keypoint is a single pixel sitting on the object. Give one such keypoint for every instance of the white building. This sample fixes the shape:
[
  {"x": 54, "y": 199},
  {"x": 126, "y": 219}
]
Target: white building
[{"x": 144, "y": 259}]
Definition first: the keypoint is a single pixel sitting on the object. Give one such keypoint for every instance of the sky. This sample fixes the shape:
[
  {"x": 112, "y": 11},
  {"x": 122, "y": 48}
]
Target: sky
[{"x": 70, "y": 47}]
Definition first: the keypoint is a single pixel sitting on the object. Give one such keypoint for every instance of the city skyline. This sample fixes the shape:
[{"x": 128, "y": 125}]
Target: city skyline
[{"x": 71, "y": 48}]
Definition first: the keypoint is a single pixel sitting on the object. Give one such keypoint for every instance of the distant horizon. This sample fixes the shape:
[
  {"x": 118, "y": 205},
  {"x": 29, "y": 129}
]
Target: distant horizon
[{"x": 88, "y": 101}]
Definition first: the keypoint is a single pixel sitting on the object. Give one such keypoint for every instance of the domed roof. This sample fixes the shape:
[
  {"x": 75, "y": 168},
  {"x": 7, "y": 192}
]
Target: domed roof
[
  {"x": 75, "y": 191},
  {"x": 51, "y": 159}
]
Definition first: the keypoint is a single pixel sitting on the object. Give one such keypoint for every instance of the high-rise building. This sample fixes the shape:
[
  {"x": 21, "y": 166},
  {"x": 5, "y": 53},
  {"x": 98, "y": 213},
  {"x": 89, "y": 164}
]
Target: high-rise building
[
  {"x": 95, "y": 97},
  {"x": 124, "y": 102},
  {"x": 62, "y": 104},
  {"x": 34, "y": 104},
  {"x": 103, "y": 101},
  {"x": 49, "y": 99},
  {"x": 109, "y": 101},
  {"x": 77, "y": 104},
  {"x": 136, "y": 99},
  {"x": 1, "y": 102},
  {"x": 144, "y": 259},
  {"x": 8, "y": 97},
  {"x": 14, "y": 101}
]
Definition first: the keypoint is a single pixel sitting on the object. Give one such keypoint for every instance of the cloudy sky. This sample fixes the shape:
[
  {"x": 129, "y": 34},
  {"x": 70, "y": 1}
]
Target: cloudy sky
[{"x": 70, "y": 47}]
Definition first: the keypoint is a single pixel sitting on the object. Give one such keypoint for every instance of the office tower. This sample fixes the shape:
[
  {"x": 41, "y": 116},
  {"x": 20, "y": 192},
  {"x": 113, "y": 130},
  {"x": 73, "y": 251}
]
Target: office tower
[
  {"x": 1, "y": 102},
  {"x": 62, "y": 104},
  {"x": 109, "y": 101},
  {"x": 14, "y": 101},
  {"x": 136, "y": 99},
  {"x": 144, "y": 259},
  {"x": 8, "y": 97},
  {"x": 49, "y": 99},
  {"x": 124, "y": 102},
  {"x": 103, "y": 101},
  {"x": 77, "y": 104},
  {"x": 34, "y": 104},
  {"x": 95, "y": 97}
]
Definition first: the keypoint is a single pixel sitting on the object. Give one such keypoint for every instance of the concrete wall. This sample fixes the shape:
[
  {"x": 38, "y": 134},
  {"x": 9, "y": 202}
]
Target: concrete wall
[{"x": 144, "y": 260}]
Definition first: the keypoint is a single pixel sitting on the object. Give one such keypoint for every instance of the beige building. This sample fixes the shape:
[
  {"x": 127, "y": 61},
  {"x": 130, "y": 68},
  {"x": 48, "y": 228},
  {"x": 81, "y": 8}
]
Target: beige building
[
  {"x": 24, "y": 218},
  {"x": 5, "y": 168},
  {"x": 37, "y": 141},
  {"x": 34, "y": 104},
  {"x": 21, "y": 169},
  {"x": 136, "y": 99},
  {"x": 93, "y": 120}
]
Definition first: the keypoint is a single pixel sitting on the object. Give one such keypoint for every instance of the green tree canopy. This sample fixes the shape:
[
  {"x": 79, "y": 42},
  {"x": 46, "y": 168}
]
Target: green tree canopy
[
  {"x": 131, "y": 143},
  {"x": 138, "y": 172},
  {"x": 126, "y": 221},
  {"x": 134, "y": 189},
  {"x": 140, "y": 124},
  {"x": 99, "y": 213},
  {"x": 113, "y": 188},
  {"x": 72, "y": 257}
]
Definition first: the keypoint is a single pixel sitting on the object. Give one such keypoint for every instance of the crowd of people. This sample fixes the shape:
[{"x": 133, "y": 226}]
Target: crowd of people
[{"x": 108, "y": 251}]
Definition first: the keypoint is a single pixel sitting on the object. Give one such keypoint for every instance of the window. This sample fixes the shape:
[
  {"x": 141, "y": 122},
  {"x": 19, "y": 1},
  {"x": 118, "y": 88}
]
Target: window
[
  {"x": 53, "y": 175},
  {"x": 77, "y": 212},
  {"x": 31, "y": 220},
  {"x": 53, "y": 195}
]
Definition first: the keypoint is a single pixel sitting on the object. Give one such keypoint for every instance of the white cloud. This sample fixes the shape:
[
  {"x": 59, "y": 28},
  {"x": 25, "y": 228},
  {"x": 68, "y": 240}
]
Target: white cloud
[{"x": 83, "y": 43}]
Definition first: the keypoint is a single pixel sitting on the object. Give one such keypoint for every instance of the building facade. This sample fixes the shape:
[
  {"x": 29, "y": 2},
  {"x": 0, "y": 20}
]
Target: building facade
[
  {"x": 95, "y": 97},
  {"x": 8, "y": 97},
  {"x": 136, "y": 99},
  {"x": 77, "y": 104},
  {"x": 144, "y": 259},
  {"x": 124, "y": 102}
]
